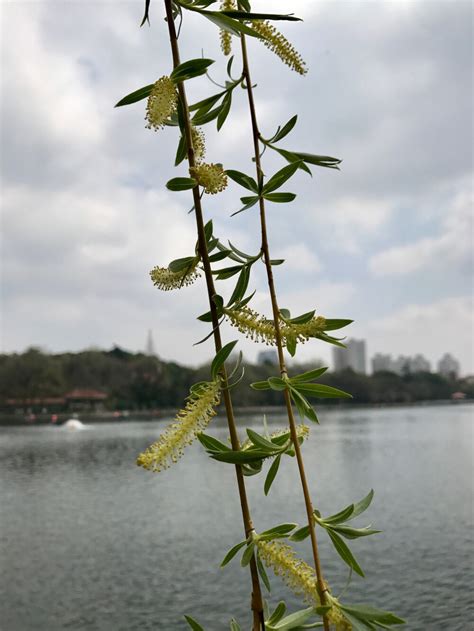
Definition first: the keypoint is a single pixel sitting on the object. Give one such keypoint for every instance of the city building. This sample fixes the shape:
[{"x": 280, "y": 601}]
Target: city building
[
  {"x": 150, "y": 345},
  {"x": 269, "y": 357},
  {"x": 448, "y": 366},
  {"x": 353, "y": 356},
  {"x": 402, "y": 365},
  {"x": 382, "y": 363},
  {"x": 419, "y": 364}
]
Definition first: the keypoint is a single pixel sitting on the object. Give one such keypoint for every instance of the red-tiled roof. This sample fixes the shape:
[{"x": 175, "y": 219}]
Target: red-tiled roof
[{"x": 86, "y": 393}]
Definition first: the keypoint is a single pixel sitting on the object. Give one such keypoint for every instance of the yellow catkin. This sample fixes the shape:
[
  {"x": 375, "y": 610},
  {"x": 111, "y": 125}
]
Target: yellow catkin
[
  {"x": 259, "y": 329},
  {"x": 337, "y": 621},
  {"x": 300, "y": 578},
  {"x": 199, "y": 143},
  {"x": 302, "y": 431},
  {"x": 225, "y": 36},
  {"x": 161, "y": 104},
  {"x": 194, "y": 418},
  {"x": 277, "y": 43},
  {"x": 211, "y": 177},
  {"x": 166, "y": 280},
  {"x": 297, "y": 574}
]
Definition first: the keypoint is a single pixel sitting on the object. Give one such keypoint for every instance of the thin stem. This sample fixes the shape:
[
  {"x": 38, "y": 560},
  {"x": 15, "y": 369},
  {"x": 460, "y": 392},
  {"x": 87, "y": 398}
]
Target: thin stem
[
  {"x": 279, "y": 343},
  {"x": 257, "y": 601}
]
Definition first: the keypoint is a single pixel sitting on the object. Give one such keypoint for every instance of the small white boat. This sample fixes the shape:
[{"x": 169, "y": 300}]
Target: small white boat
[{"x": 73, "y": 424}]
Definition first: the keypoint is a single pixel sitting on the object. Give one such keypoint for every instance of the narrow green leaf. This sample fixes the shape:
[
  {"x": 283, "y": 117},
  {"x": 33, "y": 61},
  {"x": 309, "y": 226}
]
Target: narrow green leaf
[
  {"x": 280, "y": 198},
  {"x": 304, "y": 318},
  {"x": 291, "y": 343},
  {"x": 234, "y": 626},
  {"x": 220, "y": 358},
  {"x": 219, "y": 256},
  {"x": 263, "y": 574},
  {"x": 241, "y": 286},
  {"x": 333, "y": 324},
  {"x": 206, "y": 104},
  {"x": 178, "y": 265},
  {"x": 320, "y": 161},
  {"x": 282, "y": 176},
  {"x": 225, "y": 109},
  {"x": 341, "y": 516},
  {"x": 294, "y": 620},
  {"x": 201, "y": 118},
  {"x": 368, "y": 612},
  {"x": 300, "y": 534},
  {"x": 248, "y": 554},
  {"x": 321, "y": 391},
  {"x": 260, "y": 441},
  {"x": 281, "y": 529},
  {"x": 243, "y": 179},
  {"x": 247, "y": 456},
  {"x": 271, "y": 475},
  {"x": 138, "y": 95},
  {"x": 309, "y": 375},
  {"x": 344, "y": 552},
  {"x": 277, "y": 383},
  {"x": 363, "y": 505},
  {"x": 181, "y": 184},
  {"x": 232, "y": 552},
  {"x": 243, "y": 15},
  {"x": 228, "y": 24},
  {"x": 278, "y": 614},
  {"x": 285, "y": 130},
  {"x": 251, "y": 202},
  {"x": 227, "y": 272},
  {"x": 193, "y": 624},
  {"x": 354, "y": 533},
  {"x": 260, "y": 385},
  {"x": 190, "y": 69},
  {"x": 212, "y": 444},
  {"x": 205, "y": 317}
]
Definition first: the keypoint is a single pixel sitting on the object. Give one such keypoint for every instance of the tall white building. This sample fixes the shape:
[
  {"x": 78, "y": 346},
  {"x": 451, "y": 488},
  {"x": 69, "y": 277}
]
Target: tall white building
[
  {"x": 448, "y": 366},
  {"x": 419, "y": 364},
  {"x": 353, "y": 356},
  {"x": 381, "y": 363},
  {"x": 150, "y": 345}
]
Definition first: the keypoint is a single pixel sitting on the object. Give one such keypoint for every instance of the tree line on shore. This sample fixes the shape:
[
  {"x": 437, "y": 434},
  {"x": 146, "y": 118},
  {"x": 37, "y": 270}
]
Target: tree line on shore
[{"x": 137, "y": 381}]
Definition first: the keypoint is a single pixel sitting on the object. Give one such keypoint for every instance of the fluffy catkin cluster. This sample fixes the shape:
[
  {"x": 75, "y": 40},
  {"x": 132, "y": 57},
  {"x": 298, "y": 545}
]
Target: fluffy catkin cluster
[
  {"x": 195, "y": 417},
  {"x": 199, "y": 143},
  {"x": 161, "y": 104},
  {"x": 298, "y": 575},
  {"x": 302, "y": 431},
  {"x": 211, "y": 177},
  {"x": 166, "y": 280},
  {"x": 337, "y": 621},
  {"x": 277, "y": 43},
  {"x": 259, "y": 329},
  {"x": 226, "y": 37}
]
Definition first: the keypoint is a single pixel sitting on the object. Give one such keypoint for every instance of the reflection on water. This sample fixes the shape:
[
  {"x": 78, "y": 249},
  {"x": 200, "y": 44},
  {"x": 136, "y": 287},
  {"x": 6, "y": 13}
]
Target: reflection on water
[{"x": 90, "y": 541}]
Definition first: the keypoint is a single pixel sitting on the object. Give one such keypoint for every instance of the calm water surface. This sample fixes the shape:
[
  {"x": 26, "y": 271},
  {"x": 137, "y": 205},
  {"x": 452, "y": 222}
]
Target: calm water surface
[{"x": 90, "y": 541}]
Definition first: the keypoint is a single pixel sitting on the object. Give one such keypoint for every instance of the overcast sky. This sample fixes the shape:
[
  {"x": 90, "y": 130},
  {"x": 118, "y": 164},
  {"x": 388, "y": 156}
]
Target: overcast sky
[{"x": 387, "y": 241}]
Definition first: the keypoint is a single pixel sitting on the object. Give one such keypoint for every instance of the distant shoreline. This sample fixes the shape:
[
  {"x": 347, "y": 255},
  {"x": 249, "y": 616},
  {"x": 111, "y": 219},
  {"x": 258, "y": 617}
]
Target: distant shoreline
[{"x": 15, "y": 420}]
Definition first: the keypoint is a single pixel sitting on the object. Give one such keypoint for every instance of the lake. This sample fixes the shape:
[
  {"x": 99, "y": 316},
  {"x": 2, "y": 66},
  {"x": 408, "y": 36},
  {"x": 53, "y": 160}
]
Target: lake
[{"x": 90, "y": 541}]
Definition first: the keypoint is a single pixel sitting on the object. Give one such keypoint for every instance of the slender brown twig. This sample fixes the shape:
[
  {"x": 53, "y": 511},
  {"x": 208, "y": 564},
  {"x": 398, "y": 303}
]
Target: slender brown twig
[
  {"x": 279, "y": 343},
  {"x": 257, "y": 601}
]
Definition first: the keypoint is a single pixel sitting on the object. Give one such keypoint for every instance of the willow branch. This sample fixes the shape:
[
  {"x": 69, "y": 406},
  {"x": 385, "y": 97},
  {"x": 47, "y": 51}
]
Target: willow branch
[
  {"x": 276, "y": 319},
  {"x": 257, "y": 601}
]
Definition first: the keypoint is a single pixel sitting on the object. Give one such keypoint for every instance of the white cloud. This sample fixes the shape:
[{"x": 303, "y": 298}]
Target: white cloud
[
  {"x": 300, "y": 258},
  {"x": 452, "y": 246},
  {"x": 352, "y": 221}
]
